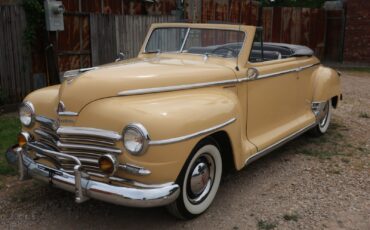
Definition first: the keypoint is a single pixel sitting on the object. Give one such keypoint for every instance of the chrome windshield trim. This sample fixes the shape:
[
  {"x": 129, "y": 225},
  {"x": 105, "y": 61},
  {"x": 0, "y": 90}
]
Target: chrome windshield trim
[
  {"x": 175, "y": 87},
  {"x": 193, "y": 135},
  {"x": 89, "y": 132},
  {"x": 186, "y": 38}
]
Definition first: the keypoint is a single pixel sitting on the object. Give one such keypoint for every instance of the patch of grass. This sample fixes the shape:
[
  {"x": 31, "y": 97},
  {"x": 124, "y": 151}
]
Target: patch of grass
[
  {"x": 364, "y": 115},
  {"x": 359, "y": 69},
  {"x": 322, "y": 154},
  {"x": 291, "y": 217},
  {"x": 265, "y": 225},
  {"x": 9, "y": 128}
]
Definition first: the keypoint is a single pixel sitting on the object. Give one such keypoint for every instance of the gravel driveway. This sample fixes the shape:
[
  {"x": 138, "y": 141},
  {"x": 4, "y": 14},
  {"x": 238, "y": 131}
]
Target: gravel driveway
[{"x": 307, "y": 184}]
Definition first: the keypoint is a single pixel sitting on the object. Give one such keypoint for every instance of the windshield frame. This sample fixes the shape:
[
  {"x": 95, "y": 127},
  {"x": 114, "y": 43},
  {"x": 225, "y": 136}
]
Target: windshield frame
[{"x": 188, "y": 29}]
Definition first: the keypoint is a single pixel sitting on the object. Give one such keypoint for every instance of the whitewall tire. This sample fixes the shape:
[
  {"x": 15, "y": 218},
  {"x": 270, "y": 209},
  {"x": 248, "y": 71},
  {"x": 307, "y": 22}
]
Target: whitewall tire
[
  {"x": 199, "y": 179},
  {"x": 324, "y": 122}
]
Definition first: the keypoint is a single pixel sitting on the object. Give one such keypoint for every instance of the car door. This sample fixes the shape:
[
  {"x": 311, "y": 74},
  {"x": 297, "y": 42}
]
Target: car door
[{"x": 271, "y": 100}]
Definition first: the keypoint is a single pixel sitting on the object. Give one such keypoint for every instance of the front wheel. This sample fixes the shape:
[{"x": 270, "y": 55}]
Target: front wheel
[
  {"x": 324, "y": 121},
  {"x": 199, "y": 179}
]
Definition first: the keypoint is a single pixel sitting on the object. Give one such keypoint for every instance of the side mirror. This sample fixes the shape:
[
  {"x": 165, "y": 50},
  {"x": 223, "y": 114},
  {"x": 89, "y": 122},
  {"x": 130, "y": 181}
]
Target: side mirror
[{"x": 120, "y": 57}]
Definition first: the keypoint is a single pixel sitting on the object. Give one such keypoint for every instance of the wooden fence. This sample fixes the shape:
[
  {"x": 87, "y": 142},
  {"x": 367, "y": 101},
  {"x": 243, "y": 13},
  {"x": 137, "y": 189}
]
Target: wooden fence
[
  {"x": 112, "y": 34},
  {"x": 304, "y": 26},
  {"x": 15, "y": 61},
  {"x": 89, "y": 39},
  {"x": 96, "y": 31}
]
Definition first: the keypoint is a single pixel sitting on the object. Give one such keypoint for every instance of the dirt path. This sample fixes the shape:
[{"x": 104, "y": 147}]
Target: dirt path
[{"x": 308, "y": 184}]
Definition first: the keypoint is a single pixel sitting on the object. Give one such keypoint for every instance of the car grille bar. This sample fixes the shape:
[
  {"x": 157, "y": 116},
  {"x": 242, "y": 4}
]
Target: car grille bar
[{"x": 87, "y": 144}]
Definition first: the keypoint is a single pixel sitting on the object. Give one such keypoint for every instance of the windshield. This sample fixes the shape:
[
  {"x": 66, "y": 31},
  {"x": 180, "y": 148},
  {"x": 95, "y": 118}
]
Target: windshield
[{"x": 222, "y": 43}]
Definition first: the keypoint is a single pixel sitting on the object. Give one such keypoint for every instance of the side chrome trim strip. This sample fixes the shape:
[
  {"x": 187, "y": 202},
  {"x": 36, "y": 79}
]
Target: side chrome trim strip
[
  {"x": 206, "y": 84},
  {"x": 174, "y": 88},
  {"x": 278, "y": 144},
  {"x": 67, "y": 113},
  {"x": 190, "y": 136},
  {"x": 282, "y": 72},
  {"x": 277, "y": 73}
]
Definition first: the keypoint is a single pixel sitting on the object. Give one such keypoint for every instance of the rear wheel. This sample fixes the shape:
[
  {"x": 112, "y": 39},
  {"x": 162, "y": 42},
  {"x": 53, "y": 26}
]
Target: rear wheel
[
  {"x": 324, "y": 121},
  {"x": 199, "y": 180}
]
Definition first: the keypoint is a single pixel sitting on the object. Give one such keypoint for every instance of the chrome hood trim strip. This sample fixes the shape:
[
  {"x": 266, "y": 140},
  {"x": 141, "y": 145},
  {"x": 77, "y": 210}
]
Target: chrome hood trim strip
[
  {"x": 175, "y": 87},
  {"x": 193, "y": 135},
  {"x": 208, "y": 84}
]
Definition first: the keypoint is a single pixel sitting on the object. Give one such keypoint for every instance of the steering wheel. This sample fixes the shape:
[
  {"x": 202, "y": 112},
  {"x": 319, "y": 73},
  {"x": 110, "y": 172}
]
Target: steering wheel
[{"x": 234, "y": 53}]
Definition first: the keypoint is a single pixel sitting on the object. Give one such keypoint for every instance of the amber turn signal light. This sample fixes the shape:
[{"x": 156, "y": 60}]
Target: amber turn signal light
[
  {"x": 23, "y": 138},
  {"x": 108, "y": 164}
]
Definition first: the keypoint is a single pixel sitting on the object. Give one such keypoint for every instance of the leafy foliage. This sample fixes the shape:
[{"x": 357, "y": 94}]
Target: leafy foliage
[
  {"x": 9, "y": 128},
  {"x": 35, "y": 16}
]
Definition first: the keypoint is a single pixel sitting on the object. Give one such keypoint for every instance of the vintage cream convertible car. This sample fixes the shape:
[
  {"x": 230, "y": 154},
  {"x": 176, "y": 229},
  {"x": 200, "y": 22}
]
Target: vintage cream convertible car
[{"x": 162, "y": 128}]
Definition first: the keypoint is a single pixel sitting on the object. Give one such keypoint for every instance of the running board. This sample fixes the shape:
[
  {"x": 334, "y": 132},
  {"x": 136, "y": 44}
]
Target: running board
[{"x": 278, "y": 144}]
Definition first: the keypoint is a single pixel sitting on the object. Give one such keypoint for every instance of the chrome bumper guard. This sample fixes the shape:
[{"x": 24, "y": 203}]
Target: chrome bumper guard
[{"x": 84, "y": 188}]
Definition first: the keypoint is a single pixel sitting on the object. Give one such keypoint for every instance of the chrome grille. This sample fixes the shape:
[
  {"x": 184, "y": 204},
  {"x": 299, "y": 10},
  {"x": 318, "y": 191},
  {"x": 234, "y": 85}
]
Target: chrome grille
[{"x": 87, "y": 144}]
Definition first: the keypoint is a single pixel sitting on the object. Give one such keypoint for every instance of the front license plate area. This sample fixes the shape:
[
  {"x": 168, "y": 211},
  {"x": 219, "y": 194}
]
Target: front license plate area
[{"x": 51, "y": 171}]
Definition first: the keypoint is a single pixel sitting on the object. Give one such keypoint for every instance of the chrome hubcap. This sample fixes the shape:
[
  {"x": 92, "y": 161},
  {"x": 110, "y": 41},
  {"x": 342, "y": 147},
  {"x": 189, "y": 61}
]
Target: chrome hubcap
[
  {"x": 325, "y": 113},
  {"x": 201, "y": 178}
]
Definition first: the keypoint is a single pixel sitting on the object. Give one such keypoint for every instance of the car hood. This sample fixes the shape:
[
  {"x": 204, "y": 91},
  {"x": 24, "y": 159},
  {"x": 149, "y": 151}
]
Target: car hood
[{"x": 108, "y": 81}]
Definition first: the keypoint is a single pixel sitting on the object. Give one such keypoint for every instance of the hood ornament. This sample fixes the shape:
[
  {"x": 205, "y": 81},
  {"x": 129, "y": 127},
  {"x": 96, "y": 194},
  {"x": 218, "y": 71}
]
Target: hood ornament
[{"x": 70, "y": 75}]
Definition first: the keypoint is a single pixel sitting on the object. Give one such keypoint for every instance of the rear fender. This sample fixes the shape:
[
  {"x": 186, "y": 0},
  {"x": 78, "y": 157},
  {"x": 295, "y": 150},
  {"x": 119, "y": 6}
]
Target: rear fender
[{"x": 326, "y": 84}]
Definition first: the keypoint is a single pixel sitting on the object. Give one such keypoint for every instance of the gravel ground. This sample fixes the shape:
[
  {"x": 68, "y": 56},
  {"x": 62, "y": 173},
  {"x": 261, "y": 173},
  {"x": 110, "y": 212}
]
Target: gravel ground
[{"x": 307, "y": 184}]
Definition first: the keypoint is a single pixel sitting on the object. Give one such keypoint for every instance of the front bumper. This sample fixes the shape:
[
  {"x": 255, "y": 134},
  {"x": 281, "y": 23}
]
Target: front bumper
[{"x": 84, "y": 188}]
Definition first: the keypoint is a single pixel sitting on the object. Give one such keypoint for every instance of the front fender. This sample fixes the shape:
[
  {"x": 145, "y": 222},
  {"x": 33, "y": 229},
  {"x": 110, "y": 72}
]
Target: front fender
[
  {"x": 165, "y": 116},
  {"x": 326, "y": 84},
  {"x": 45, "y": 100}
]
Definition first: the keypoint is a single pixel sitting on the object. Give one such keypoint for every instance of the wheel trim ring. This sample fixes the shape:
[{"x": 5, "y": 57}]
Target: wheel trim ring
[
  {"x": 323, "y": 121},
  {"x": 208, "y": 187}
]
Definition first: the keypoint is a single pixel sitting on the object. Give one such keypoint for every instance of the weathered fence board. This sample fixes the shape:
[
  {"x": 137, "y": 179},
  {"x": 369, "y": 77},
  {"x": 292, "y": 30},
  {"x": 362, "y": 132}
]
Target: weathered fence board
[
  {"x": 15, "y": 62},
  {"x": 112, "y": 34},
  {"x": 304, "y": 26}
]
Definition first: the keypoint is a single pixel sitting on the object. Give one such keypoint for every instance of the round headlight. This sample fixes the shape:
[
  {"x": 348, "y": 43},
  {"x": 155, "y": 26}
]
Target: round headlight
[
  {"x": 27, "y": 113},
  {"x": 135, "y": 139}
]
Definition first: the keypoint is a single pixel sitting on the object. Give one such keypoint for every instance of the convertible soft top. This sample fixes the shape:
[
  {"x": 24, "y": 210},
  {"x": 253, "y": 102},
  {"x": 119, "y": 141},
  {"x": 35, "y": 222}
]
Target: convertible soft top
[
  {"x": 271, "y": 50},
  {"x": 287, "y": 50}
]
